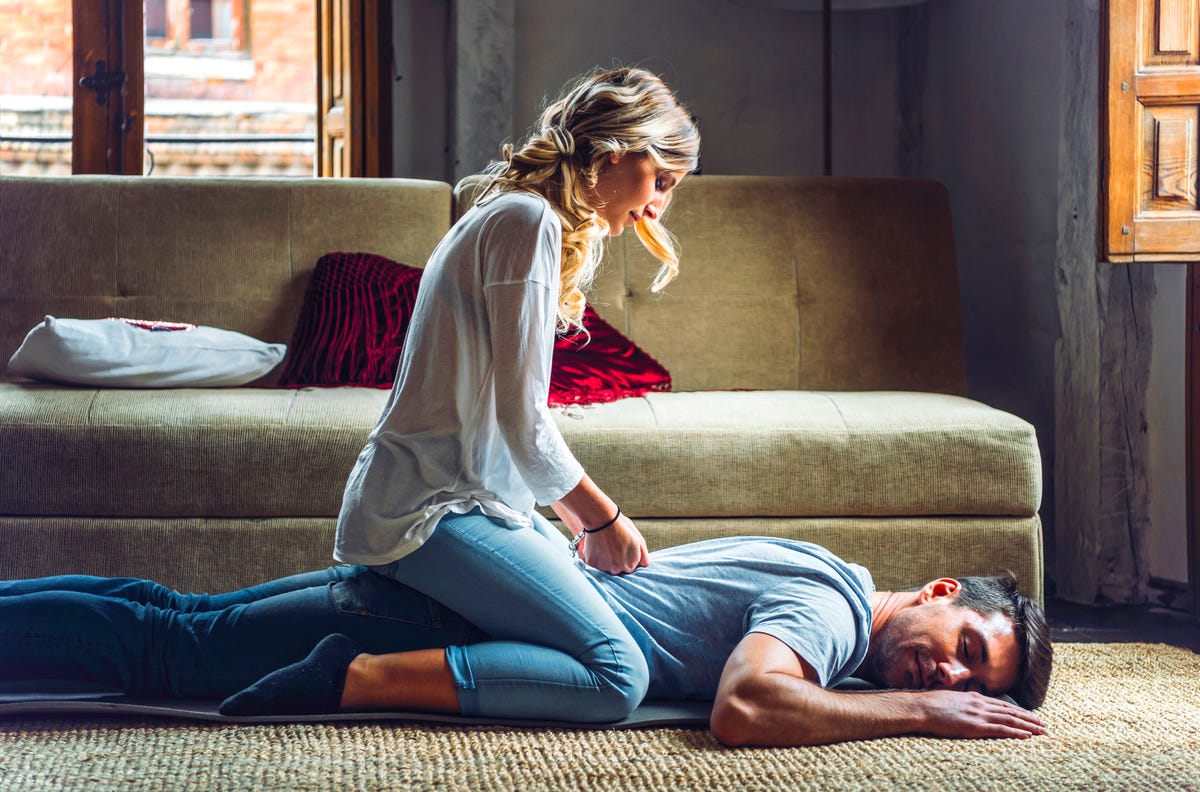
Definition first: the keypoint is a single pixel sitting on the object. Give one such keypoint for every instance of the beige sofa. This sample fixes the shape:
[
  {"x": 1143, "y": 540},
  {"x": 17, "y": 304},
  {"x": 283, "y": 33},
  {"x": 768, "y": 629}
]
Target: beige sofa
[{"x": 814, "y": 339}]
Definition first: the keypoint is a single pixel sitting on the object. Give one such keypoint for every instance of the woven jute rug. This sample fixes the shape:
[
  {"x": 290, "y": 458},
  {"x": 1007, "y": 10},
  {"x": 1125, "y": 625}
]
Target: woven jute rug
[{"x": 1121, "y": 717}]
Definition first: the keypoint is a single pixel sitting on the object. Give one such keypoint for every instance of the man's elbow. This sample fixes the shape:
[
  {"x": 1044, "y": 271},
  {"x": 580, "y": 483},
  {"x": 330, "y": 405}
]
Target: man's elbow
[
  {"x": 755, "y": 713},
  {"x": 732, "y": 721}
]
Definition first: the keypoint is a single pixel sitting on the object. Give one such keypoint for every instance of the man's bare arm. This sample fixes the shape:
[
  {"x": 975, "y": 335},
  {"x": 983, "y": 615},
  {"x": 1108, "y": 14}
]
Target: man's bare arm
[{"x": 770, "y": 696}]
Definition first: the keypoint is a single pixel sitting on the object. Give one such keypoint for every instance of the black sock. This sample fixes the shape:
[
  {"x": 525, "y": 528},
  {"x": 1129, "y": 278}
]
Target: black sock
[{"x": 312, "y": 686}]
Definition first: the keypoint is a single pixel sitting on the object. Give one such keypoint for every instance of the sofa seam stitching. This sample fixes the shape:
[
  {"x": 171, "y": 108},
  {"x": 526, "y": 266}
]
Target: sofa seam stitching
[
  {"x": 799, "y": 320},
  {"x": 837, "y": 407},
  {"x": 291, "y": 264},
  {"x": 287, "y": 416},
  {"x": 91, "y": 405},
  {"x": 118, "y": 287}
]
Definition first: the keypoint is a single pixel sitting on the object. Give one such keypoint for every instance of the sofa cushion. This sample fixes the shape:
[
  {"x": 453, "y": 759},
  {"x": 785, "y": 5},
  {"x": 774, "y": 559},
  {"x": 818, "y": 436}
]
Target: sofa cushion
[
  {"x": 352, "y": 323},
  {"x": 601, "y": 365},
  {"x": 129, "y": 353},
  {"x": 279, "y": 453},
  {"x": 355, "y": 317},
  {"x": 792, "y": 453},
  {"x": 185, "y": 452}
]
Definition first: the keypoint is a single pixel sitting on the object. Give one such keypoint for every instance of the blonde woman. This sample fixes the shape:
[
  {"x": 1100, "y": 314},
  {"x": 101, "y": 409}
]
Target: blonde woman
[{"x": 442, "y": 497}]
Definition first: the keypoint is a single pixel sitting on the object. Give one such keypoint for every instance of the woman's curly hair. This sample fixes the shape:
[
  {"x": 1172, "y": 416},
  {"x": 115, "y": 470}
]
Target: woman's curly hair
[{"x": 618, "y": 111}]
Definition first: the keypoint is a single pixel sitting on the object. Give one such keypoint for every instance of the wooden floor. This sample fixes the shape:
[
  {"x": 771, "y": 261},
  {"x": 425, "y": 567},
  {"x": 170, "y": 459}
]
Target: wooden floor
[{"x": 1123, "y": 624}]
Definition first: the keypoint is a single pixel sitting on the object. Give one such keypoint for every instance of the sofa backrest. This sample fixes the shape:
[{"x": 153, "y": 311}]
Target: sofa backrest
[
  {"x": 231, "y": 253},
  {"x": 811, "y": 283},
  {"x": 794, "y": 283}
]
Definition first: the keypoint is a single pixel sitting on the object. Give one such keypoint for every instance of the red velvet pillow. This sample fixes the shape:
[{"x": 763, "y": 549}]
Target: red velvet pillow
[
  {"x": 356, "y": 313},
  {"x": 603, "y": 369},
  {"x": 352, "y": 322}
]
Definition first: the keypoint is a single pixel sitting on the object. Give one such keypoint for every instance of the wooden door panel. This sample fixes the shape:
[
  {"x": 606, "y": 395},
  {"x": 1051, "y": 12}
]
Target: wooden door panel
[
  {"x": 1169, "y": 33},
  {"x": 1151, "y": 131},
  {"x": 1159, "y": 237},
  {"x": 354, "y": 113},
  {"x": 1169, "y": 158},
  {"x": 332, "y": 95}
]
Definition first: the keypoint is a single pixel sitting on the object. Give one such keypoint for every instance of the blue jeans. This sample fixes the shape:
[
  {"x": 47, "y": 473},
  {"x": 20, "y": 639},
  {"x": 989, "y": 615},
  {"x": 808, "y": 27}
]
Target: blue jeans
[
  {"x": 81, "y": 634},
  {"x": 558, "y": 651}
]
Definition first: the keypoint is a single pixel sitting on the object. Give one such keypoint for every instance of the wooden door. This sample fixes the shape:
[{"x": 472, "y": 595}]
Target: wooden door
[
  {"x": 107, "y": 120},
  {"x": 354, "y": 88}
]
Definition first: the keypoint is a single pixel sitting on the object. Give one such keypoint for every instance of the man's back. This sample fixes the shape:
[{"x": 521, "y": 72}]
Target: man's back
[{"x": 694, "y": 603}]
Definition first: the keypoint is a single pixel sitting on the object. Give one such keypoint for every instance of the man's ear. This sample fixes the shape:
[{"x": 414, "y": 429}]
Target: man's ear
[{"x": 936, "y": 589}]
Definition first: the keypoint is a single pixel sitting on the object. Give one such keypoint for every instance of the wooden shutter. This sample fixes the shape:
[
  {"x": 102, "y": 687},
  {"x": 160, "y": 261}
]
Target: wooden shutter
[
  {"x": 1148, "y": 152},
  {"x": 354, "y": 111},
  {"x": 107, "y": 118}
]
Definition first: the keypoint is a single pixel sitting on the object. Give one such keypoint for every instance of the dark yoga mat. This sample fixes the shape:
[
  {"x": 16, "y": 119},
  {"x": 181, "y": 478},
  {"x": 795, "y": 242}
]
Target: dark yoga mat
[{"x": 650, "y": 713}]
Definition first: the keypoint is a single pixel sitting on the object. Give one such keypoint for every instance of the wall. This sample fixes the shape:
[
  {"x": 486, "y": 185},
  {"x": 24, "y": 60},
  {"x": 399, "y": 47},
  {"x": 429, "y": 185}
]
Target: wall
[
  {"x": 750, "y": 73},
  {"x": 992, "y": 135},
  {"x": 757, "y": 95},
  {"x": 420, "y": 89},
  {"x": 968, "y": 92},
  {"x": 1010, "y": 126},
  {"x": 1165, "y": 415},
  {"x": 1006, "y": 89}
]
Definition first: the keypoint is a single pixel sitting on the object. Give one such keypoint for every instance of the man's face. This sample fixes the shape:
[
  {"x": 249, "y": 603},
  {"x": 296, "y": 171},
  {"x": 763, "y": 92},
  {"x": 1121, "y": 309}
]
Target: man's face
[{"x": 937, "y": 645}]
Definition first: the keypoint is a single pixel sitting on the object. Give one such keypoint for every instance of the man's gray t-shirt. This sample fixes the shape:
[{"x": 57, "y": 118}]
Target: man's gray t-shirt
[{"x": 694, "y": 603}]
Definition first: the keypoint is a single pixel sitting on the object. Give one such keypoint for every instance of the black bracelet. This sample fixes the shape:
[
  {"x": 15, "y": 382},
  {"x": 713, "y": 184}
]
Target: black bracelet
[
  {"x": 579, "y": 536},
  {"x": 606, "y": 525}
]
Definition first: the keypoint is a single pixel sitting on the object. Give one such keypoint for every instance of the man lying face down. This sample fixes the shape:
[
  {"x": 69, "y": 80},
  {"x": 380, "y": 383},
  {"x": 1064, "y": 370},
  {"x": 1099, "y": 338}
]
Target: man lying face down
[{"x": 765, "y": 628}]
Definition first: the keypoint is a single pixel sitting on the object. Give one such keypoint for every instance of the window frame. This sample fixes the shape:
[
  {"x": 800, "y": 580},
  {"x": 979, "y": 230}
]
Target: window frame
[{"x": 178, "y": 39}]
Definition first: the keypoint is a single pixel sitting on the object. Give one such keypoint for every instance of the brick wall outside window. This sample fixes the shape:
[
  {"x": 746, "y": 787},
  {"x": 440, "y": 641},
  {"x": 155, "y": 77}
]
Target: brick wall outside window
[{"x": 265, "y": 89}]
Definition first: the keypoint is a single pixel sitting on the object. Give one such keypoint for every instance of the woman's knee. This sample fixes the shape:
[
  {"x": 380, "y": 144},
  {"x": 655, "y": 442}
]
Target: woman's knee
[
  {"x": 636, "y": 684},
  {"x": 624, "y": 686}
]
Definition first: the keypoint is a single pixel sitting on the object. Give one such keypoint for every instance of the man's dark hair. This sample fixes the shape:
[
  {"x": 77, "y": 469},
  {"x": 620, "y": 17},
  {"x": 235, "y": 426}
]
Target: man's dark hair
[{"x": 1000, "y": 594}]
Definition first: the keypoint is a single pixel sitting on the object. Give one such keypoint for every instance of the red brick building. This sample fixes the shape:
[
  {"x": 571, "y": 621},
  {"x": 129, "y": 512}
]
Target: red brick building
[{"x": 215, "y": 70}]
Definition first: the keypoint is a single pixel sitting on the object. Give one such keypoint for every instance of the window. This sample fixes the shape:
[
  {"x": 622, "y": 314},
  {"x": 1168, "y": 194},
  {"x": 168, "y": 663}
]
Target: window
[
  {"x": 89, "y": 82},
  {"x": 196, "y": 26},
  {"x": 78, "y": 95}
]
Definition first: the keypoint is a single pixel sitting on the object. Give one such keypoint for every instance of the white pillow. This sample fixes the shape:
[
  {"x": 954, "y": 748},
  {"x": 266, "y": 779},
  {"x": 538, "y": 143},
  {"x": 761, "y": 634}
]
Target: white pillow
[{"x": 123, "y": 354}]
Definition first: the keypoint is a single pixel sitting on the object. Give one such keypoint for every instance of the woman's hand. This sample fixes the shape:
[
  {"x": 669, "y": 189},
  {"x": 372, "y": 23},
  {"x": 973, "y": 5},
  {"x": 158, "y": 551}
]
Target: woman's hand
[{"x": 617, "y": 549}]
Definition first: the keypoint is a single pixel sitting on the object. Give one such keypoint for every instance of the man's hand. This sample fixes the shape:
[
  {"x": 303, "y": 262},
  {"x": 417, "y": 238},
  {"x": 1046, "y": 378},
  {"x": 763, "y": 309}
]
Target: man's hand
[
  {"x": 952, "y": 713},
  {"x": 769, "y": 695}
]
